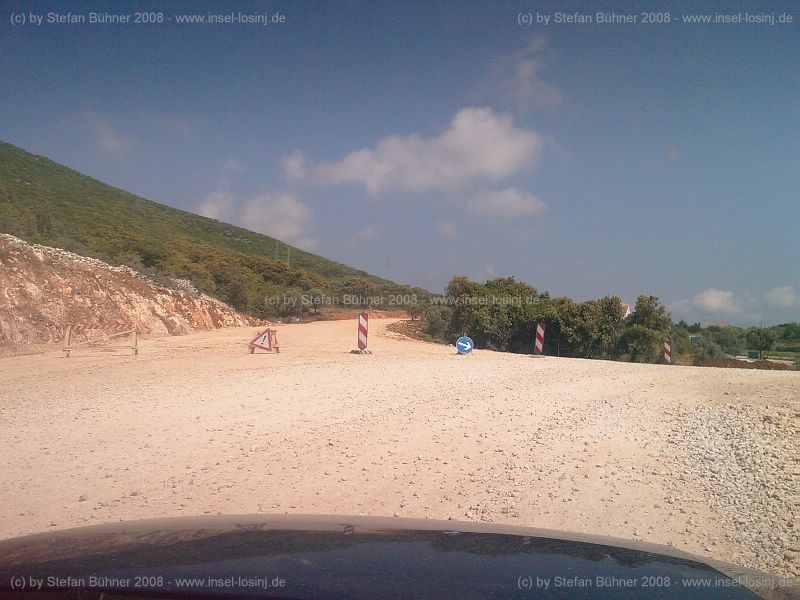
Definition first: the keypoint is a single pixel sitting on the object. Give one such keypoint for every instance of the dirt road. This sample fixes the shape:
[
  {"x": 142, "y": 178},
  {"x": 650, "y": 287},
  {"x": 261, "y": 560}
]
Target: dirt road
[{"x": 704, "y": 459}]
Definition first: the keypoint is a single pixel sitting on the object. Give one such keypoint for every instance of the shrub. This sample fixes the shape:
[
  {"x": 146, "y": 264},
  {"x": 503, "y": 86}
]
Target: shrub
[
  {"x": 706, "y": 350},
  {"x": 730, "y": 340},
  {"x": 437, "y": 321}
]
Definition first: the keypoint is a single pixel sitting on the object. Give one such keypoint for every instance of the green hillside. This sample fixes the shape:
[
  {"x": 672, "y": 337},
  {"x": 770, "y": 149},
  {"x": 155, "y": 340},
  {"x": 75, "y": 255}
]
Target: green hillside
[{"x": 47, "y": 203}]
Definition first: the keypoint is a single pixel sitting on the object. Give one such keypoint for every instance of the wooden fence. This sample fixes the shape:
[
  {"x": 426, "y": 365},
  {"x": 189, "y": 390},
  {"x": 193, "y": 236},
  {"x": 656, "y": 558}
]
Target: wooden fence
[{"x": 102, "y": 342}]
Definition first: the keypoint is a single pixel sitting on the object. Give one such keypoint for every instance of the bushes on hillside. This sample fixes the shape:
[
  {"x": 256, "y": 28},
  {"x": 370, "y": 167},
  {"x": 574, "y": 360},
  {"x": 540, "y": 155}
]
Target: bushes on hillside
[{"x": 49, "y": 204}]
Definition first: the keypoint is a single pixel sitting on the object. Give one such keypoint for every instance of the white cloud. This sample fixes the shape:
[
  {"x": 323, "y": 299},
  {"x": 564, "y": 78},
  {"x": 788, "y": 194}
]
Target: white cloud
[
  {"x": 277, "y": 214},
  {"x": 509, "y": 203},
  {"x": 281, "y": 215},
  {"x": 479, "y": 145},
  {"x": 783, "y": 297},
  {"x": 219, "y": 204},
  {"x": 104, "y": 134},
  {"x": 294, "y": 164},
  {"x": 446, "y": 229},
  {"x": 717, "y": 301},
  {"x": 517, "y": 79},
  {"x": 367, "y": 233}
]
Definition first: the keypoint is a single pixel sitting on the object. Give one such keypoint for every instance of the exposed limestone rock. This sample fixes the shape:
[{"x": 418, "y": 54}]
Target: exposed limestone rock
[{"x": 45, "y": 290}]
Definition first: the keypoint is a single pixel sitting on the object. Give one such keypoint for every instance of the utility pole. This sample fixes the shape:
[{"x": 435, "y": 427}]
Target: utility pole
[{"x": 288, "y": 255}]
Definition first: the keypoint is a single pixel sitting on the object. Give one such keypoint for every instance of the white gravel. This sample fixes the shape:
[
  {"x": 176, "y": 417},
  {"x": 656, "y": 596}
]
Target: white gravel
[
  {"x": 745, "y": 457},
  {"x": 704, "y": 459}
]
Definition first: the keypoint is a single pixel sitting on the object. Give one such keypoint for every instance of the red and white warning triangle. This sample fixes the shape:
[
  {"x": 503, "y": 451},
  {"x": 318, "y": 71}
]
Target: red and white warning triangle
[{"x": 263, "y": 340}]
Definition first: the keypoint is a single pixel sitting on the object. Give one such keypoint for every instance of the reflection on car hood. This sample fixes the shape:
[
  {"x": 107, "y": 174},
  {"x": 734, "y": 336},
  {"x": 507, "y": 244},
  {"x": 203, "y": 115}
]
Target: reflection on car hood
[{"x": 364, "y": 557}]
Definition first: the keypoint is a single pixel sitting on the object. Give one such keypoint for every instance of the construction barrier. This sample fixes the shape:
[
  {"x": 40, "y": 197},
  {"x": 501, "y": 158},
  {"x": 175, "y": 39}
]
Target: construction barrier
[
  {"x": 98, "y": 342},
  {"x": 538, "y": 344},
  {"x": 668, "y": 351},
  {"x": 363, "y": 329},
  {"x": 266, "y": 340}
]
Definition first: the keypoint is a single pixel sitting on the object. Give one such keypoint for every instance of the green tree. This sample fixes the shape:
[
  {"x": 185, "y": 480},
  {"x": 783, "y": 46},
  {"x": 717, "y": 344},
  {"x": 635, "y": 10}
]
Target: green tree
[
  {"x": 516, "y": 306},
  {"x": 730, "y": 340},
  {"x": 44, "y": 222},
  {"x": 591, "y": 329},
  {"x": 292, "y": 304},
  {"x": 359, "y": 290},
  {"x": 495, "y": 326},
  {"x": 315, "y": 298},
  {"x": 553, "y": 314},
  {"x": 234, "y": 293},
  {"x": 705, "y": 350},
  {"x": 415, "y": 310},
  {"x": 791, "y": 331},
  {"x": 645, "y": 330},
  {"x": 152, "y": 254},
  {"x": 437, "y": 321},
  {"x": 460, "y": 286},
  {"x": 608, "y": 325},
  {"x": 500, "y": 313},
  {"x": 760, "y": 339},
  {"x": 681, "y": 344},
  {"x": 461, "y": 292}
]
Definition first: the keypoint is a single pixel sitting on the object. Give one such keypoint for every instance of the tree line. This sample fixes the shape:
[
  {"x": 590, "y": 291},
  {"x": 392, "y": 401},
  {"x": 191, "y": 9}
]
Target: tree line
[
  {"x": 718, "y": 341},
  {"x": 501, "y": 314}
]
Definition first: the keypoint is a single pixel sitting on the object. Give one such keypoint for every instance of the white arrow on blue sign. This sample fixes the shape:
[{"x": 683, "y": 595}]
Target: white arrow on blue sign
[{"x": 464, "y": 345}]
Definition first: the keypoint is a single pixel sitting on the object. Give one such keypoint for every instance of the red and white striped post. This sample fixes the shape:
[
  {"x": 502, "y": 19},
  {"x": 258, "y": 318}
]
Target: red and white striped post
[
  {"x": 667, "y": 351},
  {"x": 363, "y": 329},
  {"x": 538, "y": 345}
]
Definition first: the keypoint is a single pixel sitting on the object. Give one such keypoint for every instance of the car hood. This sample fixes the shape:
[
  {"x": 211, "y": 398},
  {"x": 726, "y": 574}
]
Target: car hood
[{"x": 325, "y": 556}]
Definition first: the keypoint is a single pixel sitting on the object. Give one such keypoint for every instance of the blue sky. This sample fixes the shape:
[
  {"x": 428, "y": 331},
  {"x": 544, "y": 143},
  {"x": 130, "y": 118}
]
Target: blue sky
[{"x": 586, "y": 159}]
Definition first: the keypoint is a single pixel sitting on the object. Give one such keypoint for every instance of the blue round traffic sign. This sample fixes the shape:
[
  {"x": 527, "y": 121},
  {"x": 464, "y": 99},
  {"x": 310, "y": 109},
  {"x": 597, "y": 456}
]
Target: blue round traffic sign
[{"x": 464, "y": 345}]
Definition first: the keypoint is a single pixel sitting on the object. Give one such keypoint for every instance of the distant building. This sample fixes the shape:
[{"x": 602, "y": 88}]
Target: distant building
[{"x": 626, "y": 310}]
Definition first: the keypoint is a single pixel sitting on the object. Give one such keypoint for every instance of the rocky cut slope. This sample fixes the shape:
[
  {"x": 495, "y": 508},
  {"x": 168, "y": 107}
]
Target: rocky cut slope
[{"x": 45, "y": 290}]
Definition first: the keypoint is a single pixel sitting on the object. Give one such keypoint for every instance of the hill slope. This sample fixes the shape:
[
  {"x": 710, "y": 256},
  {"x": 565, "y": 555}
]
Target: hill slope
[
  {"x": 44, "y": 290},
  {"x": 46, "y": 203}
]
